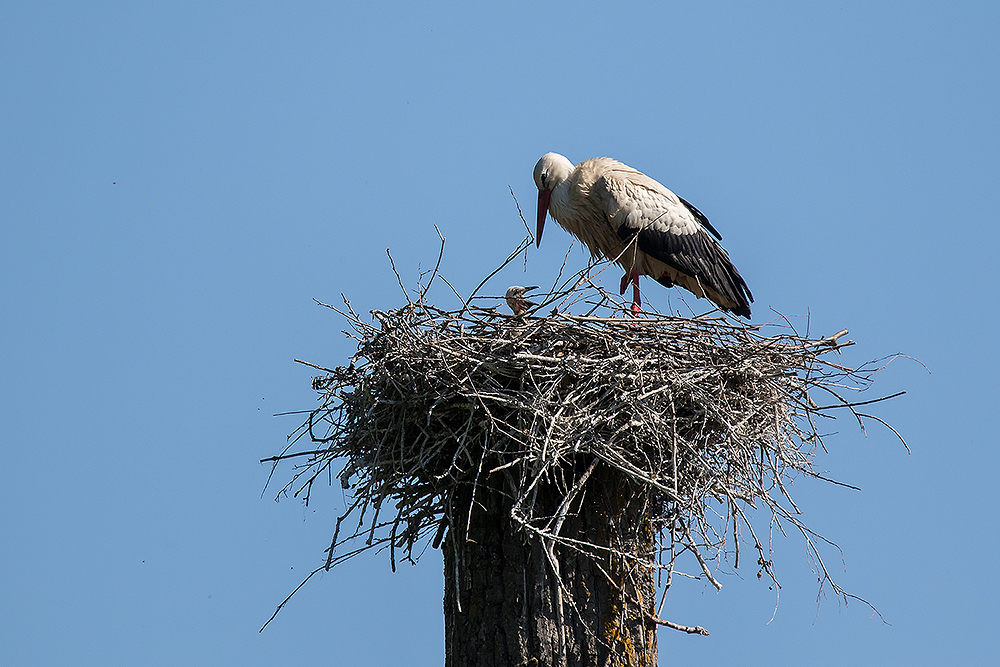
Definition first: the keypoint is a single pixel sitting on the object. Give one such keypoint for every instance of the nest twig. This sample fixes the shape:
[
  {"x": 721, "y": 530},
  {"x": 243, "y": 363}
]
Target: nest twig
[{"x": 709, "y": 416}]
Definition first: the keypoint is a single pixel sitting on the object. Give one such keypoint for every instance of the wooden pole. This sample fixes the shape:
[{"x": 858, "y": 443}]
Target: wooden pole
[{"x": 510, "y": 600}]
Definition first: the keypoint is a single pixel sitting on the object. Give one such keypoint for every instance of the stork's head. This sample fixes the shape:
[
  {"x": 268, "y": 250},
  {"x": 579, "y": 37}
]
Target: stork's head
[{"x": 550, "y": 171}]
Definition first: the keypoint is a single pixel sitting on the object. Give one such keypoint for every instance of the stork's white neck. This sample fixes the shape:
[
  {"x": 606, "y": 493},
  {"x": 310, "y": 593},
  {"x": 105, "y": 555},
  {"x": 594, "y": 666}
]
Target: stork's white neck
[{"x": 560, "y": 205}]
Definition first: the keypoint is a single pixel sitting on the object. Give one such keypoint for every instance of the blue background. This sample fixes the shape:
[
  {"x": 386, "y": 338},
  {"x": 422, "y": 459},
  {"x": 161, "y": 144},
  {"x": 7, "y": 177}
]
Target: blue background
[{"x": 179, "y": 180}]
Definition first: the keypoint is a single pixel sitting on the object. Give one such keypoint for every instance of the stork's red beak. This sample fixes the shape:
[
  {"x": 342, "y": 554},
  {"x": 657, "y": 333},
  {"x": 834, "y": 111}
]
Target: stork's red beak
[{"x": 543, "y": 209}]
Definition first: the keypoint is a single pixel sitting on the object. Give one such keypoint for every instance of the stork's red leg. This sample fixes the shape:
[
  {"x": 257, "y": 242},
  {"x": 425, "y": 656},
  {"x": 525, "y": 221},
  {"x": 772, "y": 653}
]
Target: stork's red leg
[
  {"x": 636, "y": 301},
  {"x": 633, "y": 277}
]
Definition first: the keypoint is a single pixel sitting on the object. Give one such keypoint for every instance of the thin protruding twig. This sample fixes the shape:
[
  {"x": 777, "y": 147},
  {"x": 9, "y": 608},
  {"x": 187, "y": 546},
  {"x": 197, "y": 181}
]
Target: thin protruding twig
[{"x": 691, "y": 630}]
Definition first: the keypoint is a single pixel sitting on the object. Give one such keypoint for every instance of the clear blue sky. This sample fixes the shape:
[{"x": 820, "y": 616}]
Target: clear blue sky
[{"x": 179, "y": 180}]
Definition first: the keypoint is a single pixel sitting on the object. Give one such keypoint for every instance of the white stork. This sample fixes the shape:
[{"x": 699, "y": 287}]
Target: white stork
[{"x": 627, "y": 217}]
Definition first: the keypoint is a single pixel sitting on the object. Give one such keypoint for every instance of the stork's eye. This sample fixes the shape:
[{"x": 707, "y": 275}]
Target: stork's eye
[{"x": 545, "y": 178}]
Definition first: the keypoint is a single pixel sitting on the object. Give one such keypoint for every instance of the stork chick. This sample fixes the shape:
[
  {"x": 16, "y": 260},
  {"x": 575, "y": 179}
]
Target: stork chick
[{"x": 515, "y": 299}]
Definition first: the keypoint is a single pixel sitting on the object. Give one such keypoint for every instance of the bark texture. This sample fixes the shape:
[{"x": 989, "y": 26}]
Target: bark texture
[{"x": 506, "y": 606}]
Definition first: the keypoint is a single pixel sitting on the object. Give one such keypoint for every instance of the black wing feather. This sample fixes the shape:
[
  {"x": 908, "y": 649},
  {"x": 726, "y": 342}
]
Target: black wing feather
[
  {"x": 696, "y": 255},
  {"x": 701, "y": 217}
]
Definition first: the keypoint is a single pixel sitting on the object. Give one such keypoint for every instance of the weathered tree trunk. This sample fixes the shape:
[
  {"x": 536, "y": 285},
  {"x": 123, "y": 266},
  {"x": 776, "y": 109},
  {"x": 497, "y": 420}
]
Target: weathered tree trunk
[{"x": 504, "y": 605}]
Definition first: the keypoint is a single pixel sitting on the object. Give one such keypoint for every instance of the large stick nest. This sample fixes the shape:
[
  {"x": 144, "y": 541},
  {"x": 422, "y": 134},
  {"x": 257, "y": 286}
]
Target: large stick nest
[{"x": 707, "y": 415}]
